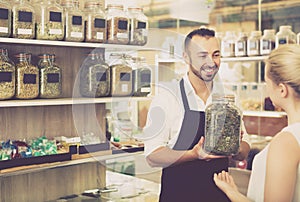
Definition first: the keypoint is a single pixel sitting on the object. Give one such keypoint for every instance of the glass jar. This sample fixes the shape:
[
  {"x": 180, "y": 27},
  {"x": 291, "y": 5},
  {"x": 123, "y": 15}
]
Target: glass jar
[
  {"x": 117, "y": 25},
  {"x": 23, "y": 20},
  {"x": 141, "y": 76},
  {"x": 95, "y": 23},
  {"x": 7, "y": 76},
  {"x": 138, "y": 33},
  {"x": 121, "y": 76},
  {"x": 50, "y": 78},
  {"x": 253, "y": 43},
  {"x": 241, "y": 45},
  {"x": 228, "y": 45},
  {"x": 94, "y": 76},
  {"x": 27, "y": 78},
  {"x": 222, "y": 126},
  {"x": 298, "y": 38},
  {"x": 5, "y": 19},
  {"x": 50, "y": 21},
  {"x": 73, "y": 20},
  {"x": 267, "y": 42},
  {"x": 285, "y": 36}
]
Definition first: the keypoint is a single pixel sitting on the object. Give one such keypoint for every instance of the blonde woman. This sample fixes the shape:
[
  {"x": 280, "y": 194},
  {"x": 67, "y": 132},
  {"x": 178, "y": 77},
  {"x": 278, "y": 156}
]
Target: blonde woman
[{"x": 276, "y": 172}]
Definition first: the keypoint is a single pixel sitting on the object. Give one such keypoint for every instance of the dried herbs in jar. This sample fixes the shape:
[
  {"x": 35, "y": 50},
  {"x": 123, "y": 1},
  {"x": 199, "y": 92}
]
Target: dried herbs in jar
[
  {"x": 7, "y": 76},
  {"x": 222, "y": 126},
  {"x": 5, "y": 19},
  {"x": 138, "y": 32}
]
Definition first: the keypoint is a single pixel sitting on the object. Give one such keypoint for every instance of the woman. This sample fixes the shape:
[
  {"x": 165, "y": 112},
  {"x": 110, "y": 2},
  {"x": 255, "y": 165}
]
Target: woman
[{"x": 276, "y": 171}]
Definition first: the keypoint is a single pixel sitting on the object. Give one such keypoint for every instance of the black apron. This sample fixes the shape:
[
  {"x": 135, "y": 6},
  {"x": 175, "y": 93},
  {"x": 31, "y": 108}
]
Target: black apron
[{"x": 192, "y": 181}]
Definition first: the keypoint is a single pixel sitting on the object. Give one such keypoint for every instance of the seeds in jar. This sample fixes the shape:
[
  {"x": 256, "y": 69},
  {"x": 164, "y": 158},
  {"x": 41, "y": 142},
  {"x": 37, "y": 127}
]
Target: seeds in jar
[
  {"x": 7, "y": 80},
  {"x": 75, "y": 29},
  {"x": 50, "y": 83},
  {"x": 95, "y": 30},
  {"x": 118, "y": 30},
  {"x": 5, "y": 22},
  {"x": 138, "y": 32},
  {"x": 52, "y": 30},
  {"x": 23, "y": 24}
]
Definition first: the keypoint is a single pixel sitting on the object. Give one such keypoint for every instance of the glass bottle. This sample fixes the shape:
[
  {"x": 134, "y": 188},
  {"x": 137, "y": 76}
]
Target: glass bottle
[
  {"x": 222, "y": 126},
  {"x": 73, "y": 20},
  {"x": 7, "y": 76},
  {"x": 94, "y": 76},
  {"x": 241, "y": 44},
  {"x": 95, "y": 23},
  {"x": 138, "y": 33},
  {"x": 267, "y": 42},
  {"x": 27, "y": 78},
  {"x": 117, "y": 25},
  {"x": 50, "y": 78},
  {"x": 285, "y": 36},
  {"x": 141, "y": 76},
  {"x": 253, "y": 43},
  {"x": 121, "y": 75},
  {"x": 23, "y": 20},
  {"x": 228, "y": 45},
  {"x": 50, "y": 21},
  {"x": 5, "y": 19}
]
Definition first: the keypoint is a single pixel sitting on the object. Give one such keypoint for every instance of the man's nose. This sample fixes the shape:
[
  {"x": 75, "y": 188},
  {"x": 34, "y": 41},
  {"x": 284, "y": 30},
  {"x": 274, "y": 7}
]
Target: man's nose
[{"x": 209, "y": 60}]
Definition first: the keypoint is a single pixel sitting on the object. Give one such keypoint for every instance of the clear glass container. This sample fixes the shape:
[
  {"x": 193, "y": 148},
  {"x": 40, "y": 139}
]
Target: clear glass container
[
  {"x": 267, "y": 42},
  {"x": 121, "y": 76},
  {"x": 94, "y": 76},
  {"x": 50, "y": 20},
  {"x": 117, "y": 25},
  {"x": 23, "y": 20},
  {"x": 285, "y": 36},
  {"x": 73, "y": 20},
  {"x": 253, "y": 43},
  {"x": 138, "y": 34},
  {"x": 95, "y": 23},
  {"x": 241, "y": 45},
  {"x": 228, "y": 44},
  {"x": 7, "y": 76},
  {"x": 27, "y": 78},
  {"x": 5, "y": 19},
  {"x": 222, "y": 126},
  {"x": 141, "y": 76},
  {"x": 50, "y": 77}
]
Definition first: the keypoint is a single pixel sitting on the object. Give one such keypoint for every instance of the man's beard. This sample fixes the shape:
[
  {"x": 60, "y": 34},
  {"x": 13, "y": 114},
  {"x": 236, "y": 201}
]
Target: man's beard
[{"x": 206, "y": 73}]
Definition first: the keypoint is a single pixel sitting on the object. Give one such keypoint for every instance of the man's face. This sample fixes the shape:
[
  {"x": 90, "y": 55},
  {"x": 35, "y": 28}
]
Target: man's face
[{"x": 203, "y": 56}]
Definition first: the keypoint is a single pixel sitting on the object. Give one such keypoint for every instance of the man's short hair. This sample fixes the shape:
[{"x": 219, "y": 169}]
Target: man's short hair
[{"x": 204, "y": 32}]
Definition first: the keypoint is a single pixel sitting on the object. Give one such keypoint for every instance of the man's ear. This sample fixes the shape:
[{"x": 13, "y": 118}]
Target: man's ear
[{"x": 186, "y": 58}]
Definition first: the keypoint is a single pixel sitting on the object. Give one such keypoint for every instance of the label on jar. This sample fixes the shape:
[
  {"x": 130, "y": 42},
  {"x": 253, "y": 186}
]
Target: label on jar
[
  {"x": 99, "y": 23},
  {"x": 55, "y": 31},
  {"x": 122, "y": 35},
  {"x": 55, "y": 16},
  {"x": 145, "y": 90},
  {"x": 253, "y": 48},
  {"x": 5, "y": 77},
  {"x": 101, "y": 76},
  {"x": 145, "y": 78},
  {"x": 124, "y": 76},
  {"x": 122, "y": 24},
  {"x": 52, "y": 78},
  {"x": 4, "y": 29},
  {"x": 99, "y": 35},
  {"x": 3, "y": 14},
  {"x": 25, "y": 16},
  {"x": 141, "y": 25},
  {"x": 124, "y": 87},
  {"x": 76, "y": 34},
  {"x": 267, "y": 46},
  {"x": 76, "y": 20},
  {"x": 29, "y": 79},
  {"x": 24, "y": 31},
  {"x": 282, "y": 41},
  {"x": 228, "y": 49}
]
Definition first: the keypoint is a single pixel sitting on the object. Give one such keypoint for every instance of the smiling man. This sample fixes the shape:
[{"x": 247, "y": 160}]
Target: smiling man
[{"x": 177, "y": 143}]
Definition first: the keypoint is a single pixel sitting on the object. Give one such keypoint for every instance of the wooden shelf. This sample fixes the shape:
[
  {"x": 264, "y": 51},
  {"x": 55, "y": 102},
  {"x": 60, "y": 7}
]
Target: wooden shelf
[
  {"x": 244, "y": 59},
  {"x": 67, "y": 101}
]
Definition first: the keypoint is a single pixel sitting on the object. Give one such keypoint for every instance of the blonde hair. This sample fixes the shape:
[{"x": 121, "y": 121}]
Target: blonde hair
[{"x": 284, "y": 66}]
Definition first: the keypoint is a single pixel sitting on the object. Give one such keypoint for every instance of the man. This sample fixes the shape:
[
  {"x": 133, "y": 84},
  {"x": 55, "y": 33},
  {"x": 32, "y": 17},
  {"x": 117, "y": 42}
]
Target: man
[{"x": 175, "y": 127}]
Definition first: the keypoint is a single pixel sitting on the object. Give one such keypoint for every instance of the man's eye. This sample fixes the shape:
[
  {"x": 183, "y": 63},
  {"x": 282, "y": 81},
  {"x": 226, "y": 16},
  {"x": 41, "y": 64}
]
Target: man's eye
[{"x": 216, "y": 55}]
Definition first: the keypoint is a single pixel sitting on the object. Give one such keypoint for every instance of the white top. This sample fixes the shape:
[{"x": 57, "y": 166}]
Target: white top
[
  {"x": 258, "y": 175},
  {"x": 166, "y": 113}
]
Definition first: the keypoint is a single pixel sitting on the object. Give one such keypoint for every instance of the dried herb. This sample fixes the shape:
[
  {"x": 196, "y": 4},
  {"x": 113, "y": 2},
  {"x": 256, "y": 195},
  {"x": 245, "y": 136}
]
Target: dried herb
[
  {"x": 7, "y": 80},
  {"x": 118, "y": 30}
]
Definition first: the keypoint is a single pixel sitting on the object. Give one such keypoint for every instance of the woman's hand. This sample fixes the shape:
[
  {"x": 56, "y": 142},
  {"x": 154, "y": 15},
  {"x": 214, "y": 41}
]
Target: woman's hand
[{"x": 225, "y": 182}]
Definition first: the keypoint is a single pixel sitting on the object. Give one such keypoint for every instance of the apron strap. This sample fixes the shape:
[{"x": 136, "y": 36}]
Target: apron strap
[{"x": 183, "y": 96}]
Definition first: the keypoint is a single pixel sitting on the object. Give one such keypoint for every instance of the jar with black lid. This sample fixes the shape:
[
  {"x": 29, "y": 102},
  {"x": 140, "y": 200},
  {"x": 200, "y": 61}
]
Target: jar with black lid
[
  {"x": 5, "y": 19},
  {"x": 50, "y": 77},
  {"x": 23, "y": 20},
  {"x": 222, "y": 126},
  {"x": 117, "y": 25},
  {"x": 7, "y": 76},
  {"x": 27, "y": 78},
  {"x": 138, "y": 33},
  {"x": 95, "y": 23},
  {"x": 94, "y": 76},
  {"x": 267, "y": 42}
]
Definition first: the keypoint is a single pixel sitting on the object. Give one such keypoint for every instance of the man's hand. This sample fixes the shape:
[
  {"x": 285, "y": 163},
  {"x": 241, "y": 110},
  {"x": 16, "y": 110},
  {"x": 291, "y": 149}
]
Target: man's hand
[{"x": 201, "y": 154}]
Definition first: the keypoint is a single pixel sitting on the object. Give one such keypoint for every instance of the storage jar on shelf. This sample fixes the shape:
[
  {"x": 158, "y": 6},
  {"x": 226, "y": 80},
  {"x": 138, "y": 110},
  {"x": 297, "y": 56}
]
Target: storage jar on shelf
[
  {"x": 50, "y": 20},
  {"x": 27, "y": 78},
  {"x": 253, "y": 43},
  {"x": 285, "y": 36},
  {"x": 7, "y": 76},
  {"x": 241, "y": 45},
  {"x": 117, "y": 25},
  {"x": 73, "y": 21},
  {"x": 94, "y": 76},
  {"x": 5, "y": 19},
  {"x": 23, "y": 20},
  {"x": 228, "y": 44},
  {"x": 222, "y": 126},
  {"x": 50, "y": 78},
  {"x": 267, "y": 42}
]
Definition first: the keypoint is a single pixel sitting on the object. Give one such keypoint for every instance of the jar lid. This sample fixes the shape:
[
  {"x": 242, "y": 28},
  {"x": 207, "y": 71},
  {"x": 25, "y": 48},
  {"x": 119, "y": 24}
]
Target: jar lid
[
  {"x": 256, "y": 33},
  {"x": 269, "y": 31},
  {"x": 116, "y": 6},
  {"x": 135, "y": 8},
  {"x": 285, "y": 27}
]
